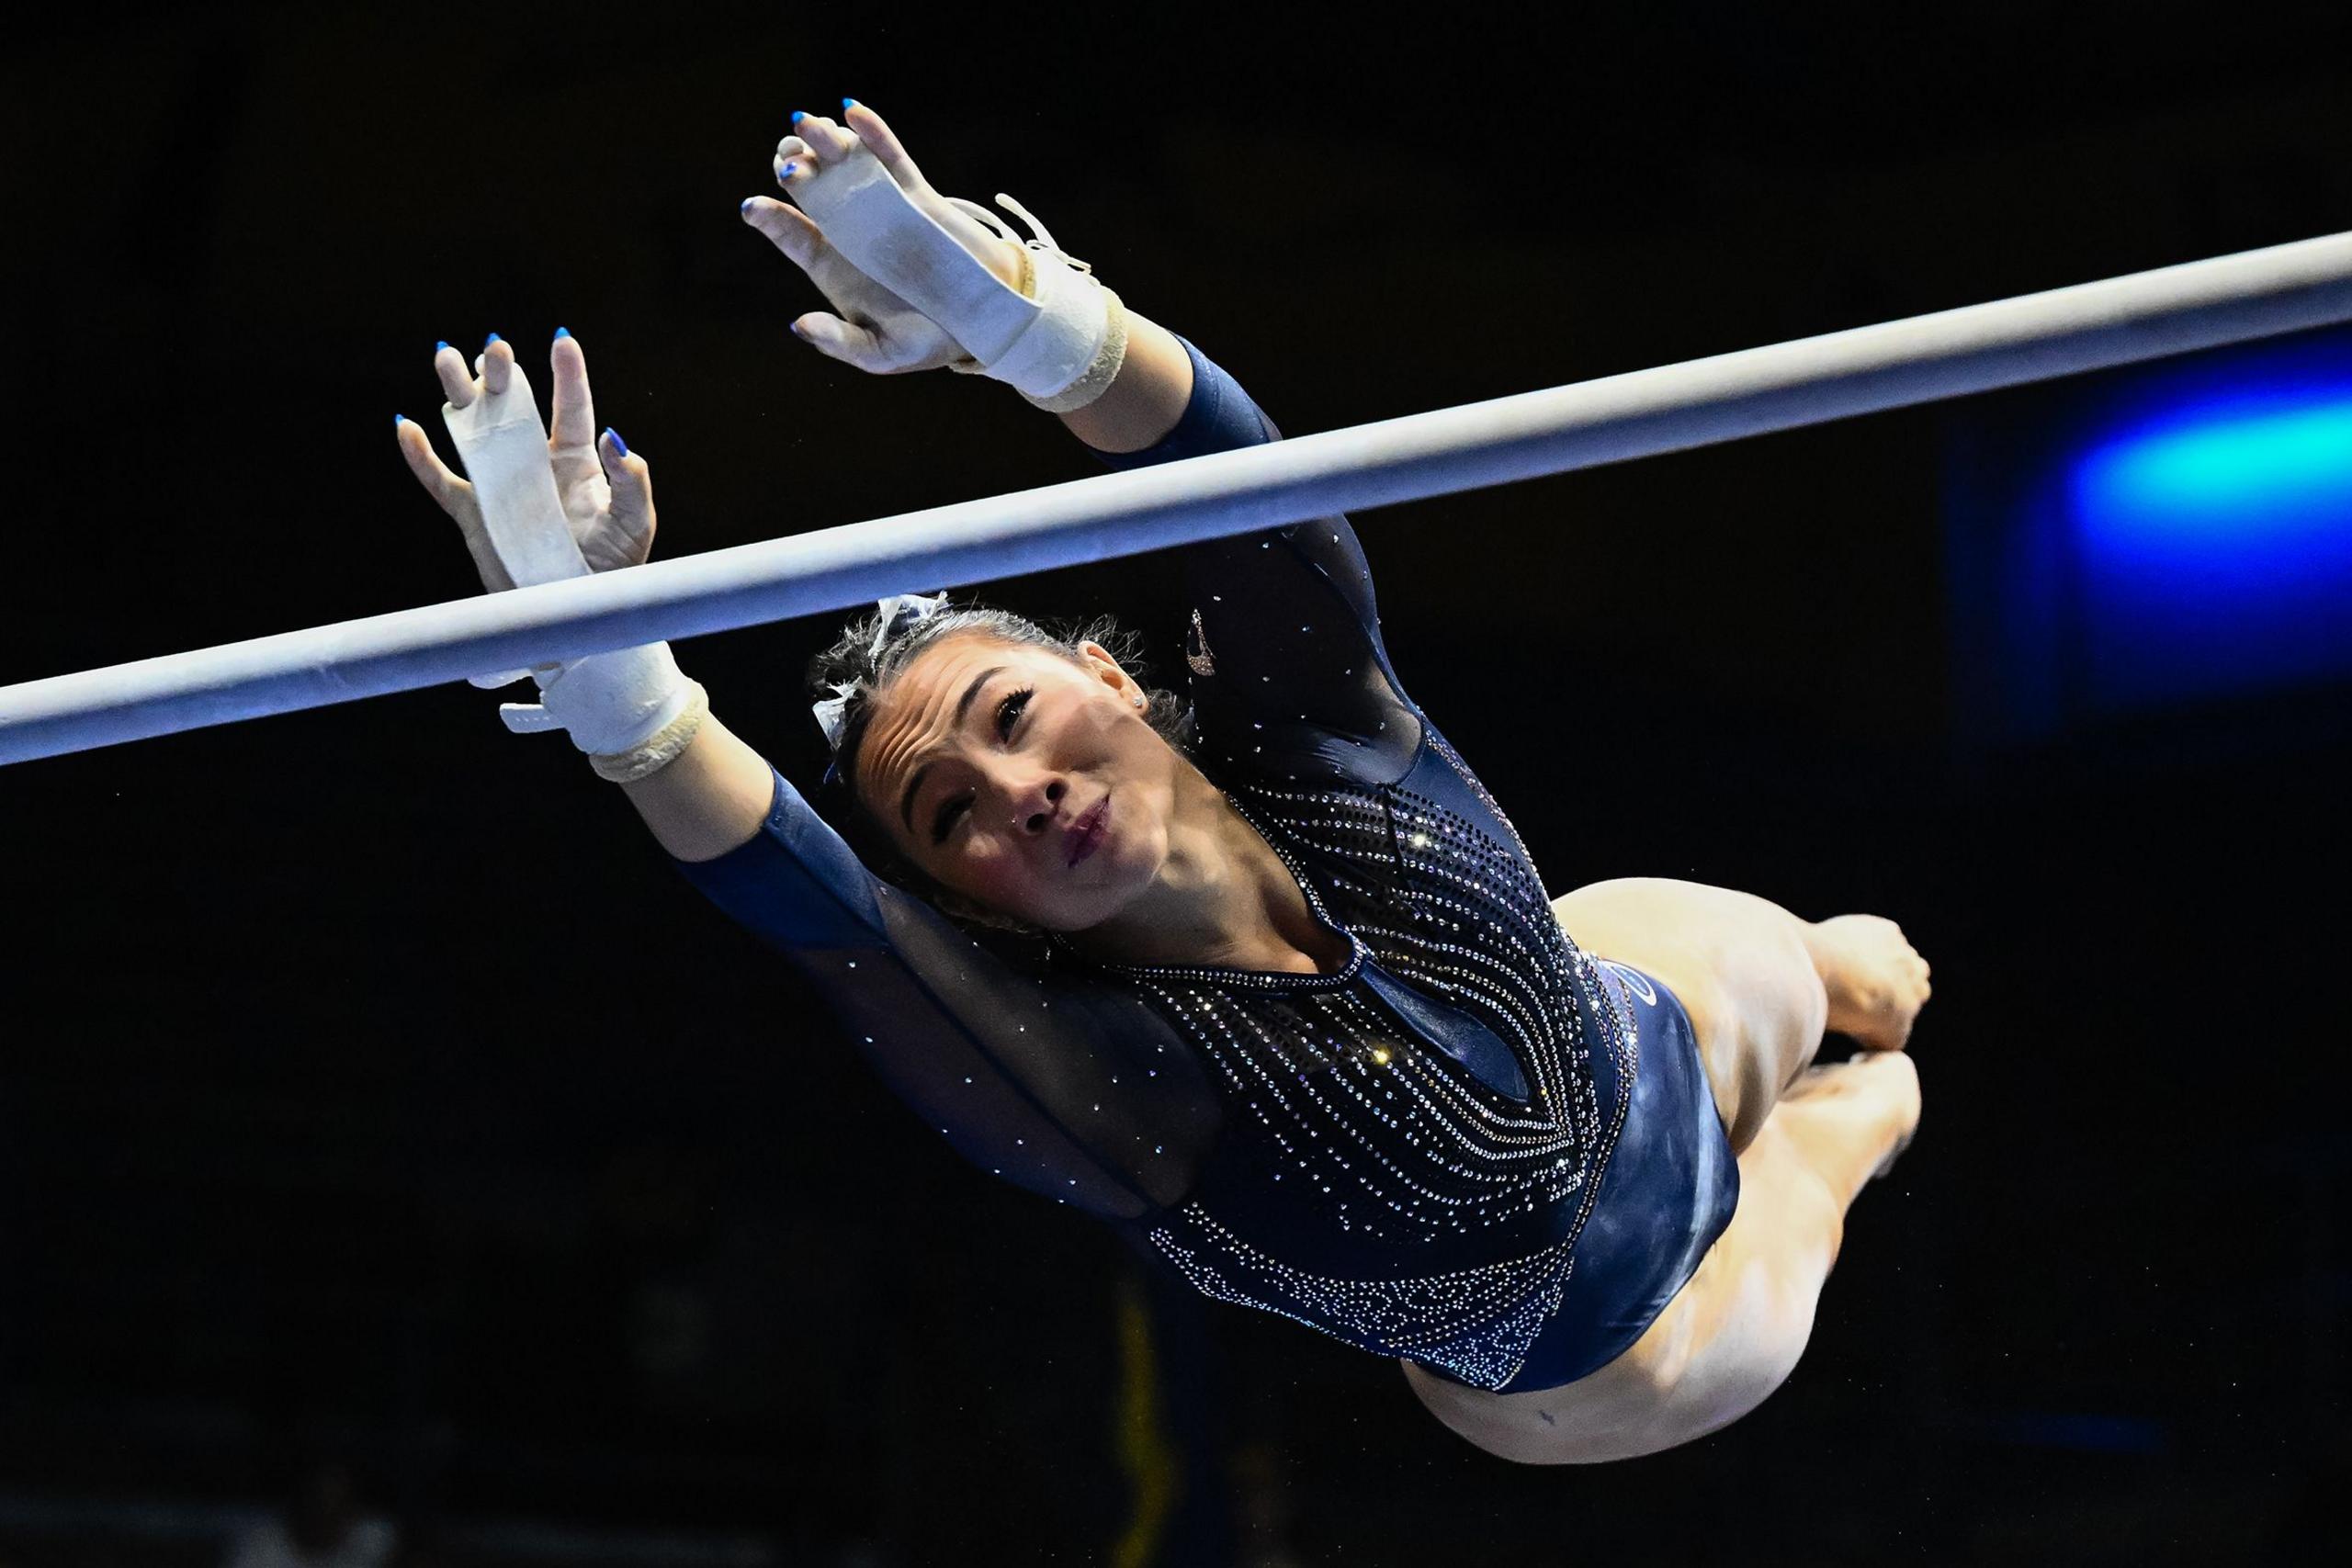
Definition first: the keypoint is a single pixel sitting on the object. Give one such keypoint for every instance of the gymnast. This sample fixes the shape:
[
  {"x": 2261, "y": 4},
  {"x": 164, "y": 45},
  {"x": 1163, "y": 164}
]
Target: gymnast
[{"x": 1259, "y": 975}]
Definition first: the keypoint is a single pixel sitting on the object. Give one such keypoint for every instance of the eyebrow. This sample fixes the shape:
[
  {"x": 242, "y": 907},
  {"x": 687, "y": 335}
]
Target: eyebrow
[{"x": 963, "y": 706}]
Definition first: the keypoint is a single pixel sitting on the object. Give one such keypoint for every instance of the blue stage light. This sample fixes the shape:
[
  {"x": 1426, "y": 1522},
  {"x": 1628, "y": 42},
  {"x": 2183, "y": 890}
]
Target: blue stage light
[
  {"x": 2212, "y": 537},
  {"x": 2225, "y": 481}
]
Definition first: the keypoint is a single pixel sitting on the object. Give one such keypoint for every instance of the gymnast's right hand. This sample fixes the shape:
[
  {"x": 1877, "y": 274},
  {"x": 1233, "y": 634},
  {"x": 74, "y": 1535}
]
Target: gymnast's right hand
[{"x": 607, "y": 490}]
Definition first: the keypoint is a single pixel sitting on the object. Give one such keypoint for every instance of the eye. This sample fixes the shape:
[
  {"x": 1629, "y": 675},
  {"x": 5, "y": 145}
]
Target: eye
[
  {"x": 953, "y": 808},
  {"x": 1008, "y": 712}
]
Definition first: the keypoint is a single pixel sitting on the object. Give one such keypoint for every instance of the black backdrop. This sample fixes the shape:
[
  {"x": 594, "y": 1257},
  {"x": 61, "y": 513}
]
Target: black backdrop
[{"x": 370, "y": 1080}]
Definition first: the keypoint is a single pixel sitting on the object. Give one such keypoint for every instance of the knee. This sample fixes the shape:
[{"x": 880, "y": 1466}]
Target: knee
[
  {"x": 1781, "y": 1005},
  {"x": 1783, "y": 970}
]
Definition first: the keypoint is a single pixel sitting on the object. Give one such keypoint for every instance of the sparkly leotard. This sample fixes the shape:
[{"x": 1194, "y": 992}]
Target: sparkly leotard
[{"x": 1472, "y": 1145}]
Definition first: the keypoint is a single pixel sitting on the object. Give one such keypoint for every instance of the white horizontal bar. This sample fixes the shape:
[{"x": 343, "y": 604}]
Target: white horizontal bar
[{"x": 1977, "y": 349}]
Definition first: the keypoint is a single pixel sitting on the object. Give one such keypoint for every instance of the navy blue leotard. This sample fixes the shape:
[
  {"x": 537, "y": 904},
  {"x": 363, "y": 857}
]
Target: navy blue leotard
[{"x": 1474, "y": 1145}]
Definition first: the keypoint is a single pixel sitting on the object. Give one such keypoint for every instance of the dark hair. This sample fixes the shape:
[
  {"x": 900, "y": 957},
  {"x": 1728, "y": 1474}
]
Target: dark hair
[{"x": 873, "y": 651}]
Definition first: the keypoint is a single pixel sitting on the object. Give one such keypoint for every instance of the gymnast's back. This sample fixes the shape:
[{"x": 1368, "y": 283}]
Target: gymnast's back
[{"x": 1402, "y": 1151}]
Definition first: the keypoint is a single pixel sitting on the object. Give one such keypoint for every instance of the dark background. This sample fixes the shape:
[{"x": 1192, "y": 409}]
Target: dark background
[{"x": 371, "y": 1084}]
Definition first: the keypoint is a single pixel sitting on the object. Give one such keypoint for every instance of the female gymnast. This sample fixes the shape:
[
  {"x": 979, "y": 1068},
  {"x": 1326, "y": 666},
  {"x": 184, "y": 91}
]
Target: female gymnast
[{"x": 1292, "y": 1013}]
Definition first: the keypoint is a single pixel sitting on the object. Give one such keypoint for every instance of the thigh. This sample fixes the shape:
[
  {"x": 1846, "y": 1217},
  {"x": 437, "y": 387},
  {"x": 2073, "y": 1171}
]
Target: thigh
[
  {"x": 1728, "y": 1338},
  {"x": 1739, "y": 965}
]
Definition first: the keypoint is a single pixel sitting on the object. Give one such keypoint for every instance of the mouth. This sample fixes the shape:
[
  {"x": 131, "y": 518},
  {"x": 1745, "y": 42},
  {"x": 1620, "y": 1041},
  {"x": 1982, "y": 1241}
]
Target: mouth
[{"x": 1086, "y": 834}]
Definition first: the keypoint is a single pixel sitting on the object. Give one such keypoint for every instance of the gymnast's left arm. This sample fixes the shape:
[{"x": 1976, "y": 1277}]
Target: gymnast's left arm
[{"x": 923, "y": 280}]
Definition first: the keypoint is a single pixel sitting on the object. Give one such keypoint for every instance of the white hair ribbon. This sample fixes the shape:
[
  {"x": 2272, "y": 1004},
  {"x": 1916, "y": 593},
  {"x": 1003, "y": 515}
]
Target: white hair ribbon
[
  {"x": 893, "y": 617},
  {"x": 829, "y": 711}
]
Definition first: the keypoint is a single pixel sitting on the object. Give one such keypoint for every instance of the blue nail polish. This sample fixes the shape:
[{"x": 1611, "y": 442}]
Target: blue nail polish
[
  {"x": 490, "y": 339},
  {"x": 620, "y": 444},
  {"x": 746, "y": 208},
  {"x": 784, "y": 172},
  {"x": 564, "y": 332},
  {"x": 847, "y": 102},
  {"x": 398, "y": 420},
  {"x": 797, "y": 116},
  {"x": 439, "y": 347}
]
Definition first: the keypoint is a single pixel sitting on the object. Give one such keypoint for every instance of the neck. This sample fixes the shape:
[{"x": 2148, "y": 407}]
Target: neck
[{"x": 1223, "y": 898}]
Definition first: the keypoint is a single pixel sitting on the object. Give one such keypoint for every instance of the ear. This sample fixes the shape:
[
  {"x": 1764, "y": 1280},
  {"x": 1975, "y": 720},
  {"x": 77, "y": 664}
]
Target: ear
[{"x": 1104, "y": 667}]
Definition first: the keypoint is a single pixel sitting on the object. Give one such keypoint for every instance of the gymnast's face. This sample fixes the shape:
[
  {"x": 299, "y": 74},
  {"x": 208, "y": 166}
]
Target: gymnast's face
[{"x": 1024, "y": 780}]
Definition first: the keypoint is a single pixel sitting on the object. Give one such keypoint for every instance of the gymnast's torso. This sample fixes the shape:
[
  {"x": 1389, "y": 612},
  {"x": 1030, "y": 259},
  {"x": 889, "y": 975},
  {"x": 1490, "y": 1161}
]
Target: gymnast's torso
[{"x": 1465, "y": 1142}]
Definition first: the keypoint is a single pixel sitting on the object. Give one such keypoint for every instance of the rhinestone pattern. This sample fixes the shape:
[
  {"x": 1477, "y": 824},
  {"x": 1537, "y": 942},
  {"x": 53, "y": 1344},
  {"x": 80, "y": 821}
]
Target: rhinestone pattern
[{"x": 1371, "y": 1186}]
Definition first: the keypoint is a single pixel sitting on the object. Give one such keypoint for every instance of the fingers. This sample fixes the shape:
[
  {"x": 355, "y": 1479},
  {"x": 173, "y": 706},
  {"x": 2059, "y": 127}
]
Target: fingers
[
  {"x": 818, "y": 143},
  {"x": 449, "y": 491},
  {"x": 632, "y": 510},
  {"x": 884, "y": 144},
  {"x": 822, "y": 139},
  {"x": 845, "y": 340},
  {"x": 454, "y": 496},
  {"x": 794, "y": 162},
  {"x": 497, "y": 365},
  {"x": 456, "y": 380},
  {"x": 572, "y": 421},
  {"x": 788, "y": 229}
]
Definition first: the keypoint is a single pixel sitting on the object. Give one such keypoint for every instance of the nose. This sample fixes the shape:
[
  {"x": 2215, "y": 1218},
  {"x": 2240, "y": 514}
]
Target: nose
[{"x": 1033, "y": 800}]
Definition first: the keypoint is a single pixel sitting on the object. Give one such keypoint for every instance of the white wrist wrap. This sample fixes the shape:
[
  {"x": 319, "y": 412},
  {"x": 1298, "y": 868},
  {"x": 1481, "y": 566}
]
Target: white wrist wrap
[
  {"x": 1096, "y": 378},
  {"x": 1041, "y": 346},
  {"x": 611, "y": 703},
  {"x": 660, "y": 749}
]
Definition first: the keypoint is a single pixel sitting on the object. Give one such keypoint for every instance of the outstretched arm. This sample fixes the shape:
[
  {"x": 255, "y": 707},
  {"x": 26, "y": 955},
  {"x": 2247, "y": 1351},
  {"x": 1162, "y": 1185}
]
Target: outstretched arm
[
  {"x": 1283, "y": 624},
  {"x": 878, "y": 331},
  {"x": 1052, "y": 1089},
  {"x": 708, "y": 800},
  {"x": 1145, "y": 400},
  {"x": 715, "y": 793}
]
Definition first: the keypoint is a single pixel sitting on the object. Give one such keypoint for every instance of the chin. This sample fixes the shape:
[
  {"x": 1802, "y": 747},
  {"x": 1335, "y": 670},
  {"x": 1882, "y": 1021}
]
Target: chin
[{"x": 1104, "y": 903}]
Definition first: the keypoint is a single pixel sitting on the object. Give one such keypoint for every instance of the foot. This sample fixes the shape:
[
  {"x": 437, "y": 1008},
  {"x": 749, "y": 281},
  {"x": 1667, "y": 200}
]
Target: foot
[{"x": 1876, "y": 982}]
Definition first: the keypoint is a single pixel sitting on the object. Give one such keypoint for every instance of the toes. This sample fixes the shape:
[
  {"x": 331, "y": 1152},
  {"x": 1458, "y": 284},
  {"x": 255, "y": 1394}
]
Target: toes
[{"x": 457, "y": 381}]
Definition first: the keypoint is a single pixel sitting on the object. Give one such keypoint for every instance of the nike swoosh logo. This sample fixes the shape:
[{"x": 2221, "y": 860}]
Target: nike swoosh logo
[{"x": 1635, "y": 981}]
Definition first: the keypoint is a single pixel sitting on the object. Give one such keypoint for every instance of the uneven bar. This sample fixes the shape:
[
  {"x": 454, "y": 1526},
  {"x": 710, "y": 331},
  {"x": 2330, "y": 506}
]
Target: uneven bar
[{"x": 2037, "y": 337}]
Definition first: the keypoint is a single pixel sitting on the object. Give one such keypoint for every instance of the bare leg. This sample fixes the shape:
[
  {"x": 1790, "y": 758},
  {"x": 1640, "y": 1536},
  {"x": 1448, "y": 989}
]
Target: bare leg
[
  {"x": 1760, "y": 984},
  {"x": 1875, "y": 981},
  {"x": 1733, "y": 1333}
]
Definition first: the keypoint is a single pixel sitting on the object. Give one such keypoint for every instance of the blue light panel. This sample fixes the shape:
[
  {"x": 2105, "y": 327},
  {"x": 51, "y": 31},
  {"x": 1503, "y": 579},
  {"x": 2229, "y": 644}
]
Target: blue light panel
[{"x": 2212, "y": 540}]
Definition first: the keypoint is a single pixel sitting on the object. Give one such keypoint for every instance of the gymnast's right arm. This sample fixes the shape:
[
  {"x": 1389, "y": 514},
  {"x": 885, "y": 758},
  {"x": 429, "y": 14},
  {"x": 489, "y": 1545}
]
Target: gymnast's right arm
[
  {"x": 1060, "y": 1088},
  {"x": 713, "y": 795},
  {"x": 711, "y": 799}
]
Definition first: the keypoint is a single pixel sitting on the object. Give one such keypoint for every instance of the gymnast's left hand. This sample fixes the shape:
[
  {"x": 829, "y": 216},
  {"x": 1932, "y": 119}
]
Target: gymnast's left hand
[
  {"x": 876, "y": 330},
  {"x": 607, "y": 490}
]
